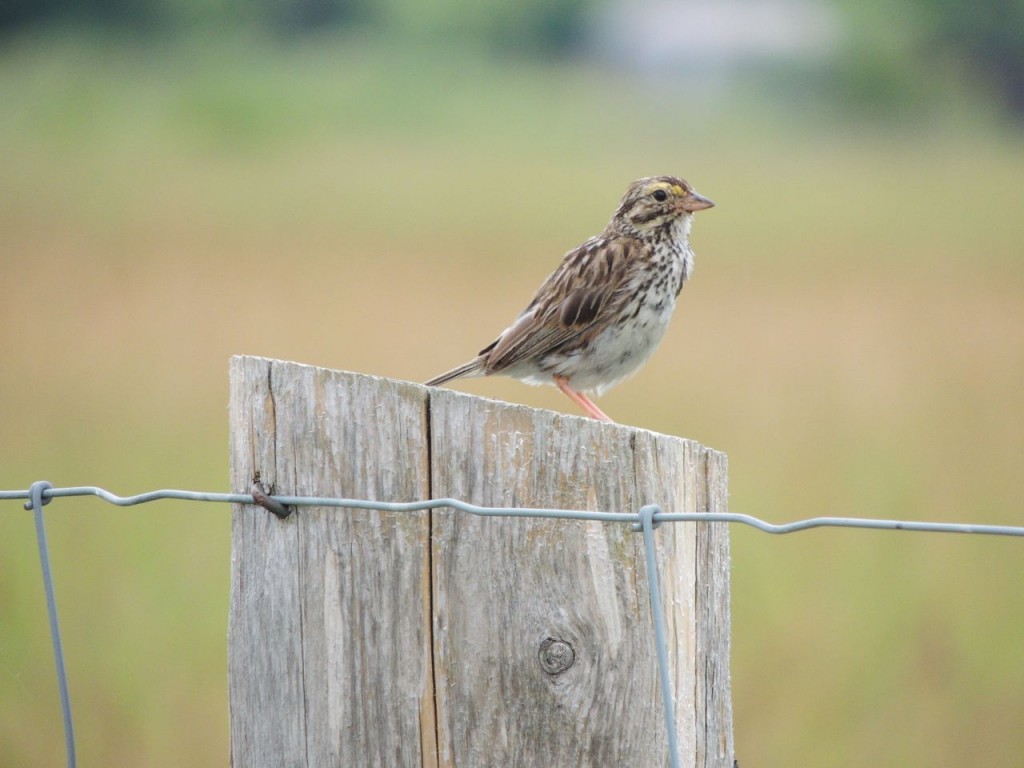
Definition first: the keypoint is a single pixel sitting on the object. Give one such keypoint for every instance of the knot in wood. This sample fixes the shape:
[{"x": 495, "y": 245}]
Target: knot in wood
[{"x": 555, "y": 656}]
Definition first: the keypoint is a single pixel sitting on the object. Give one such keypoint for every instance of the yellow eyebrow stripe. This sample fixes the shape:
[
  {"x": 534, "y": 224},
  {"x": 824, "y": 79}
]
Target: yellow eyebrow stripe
[{"x": 675, "y": 189}]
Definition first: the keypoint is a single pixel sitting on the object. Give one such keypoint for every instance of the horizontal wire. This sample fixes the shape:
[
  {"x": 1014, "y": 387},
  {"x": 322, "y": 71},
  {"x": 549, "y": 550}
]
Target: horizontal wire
[
  {"x": 643, "y": 520},
  {"x": 568, "y": 514}
]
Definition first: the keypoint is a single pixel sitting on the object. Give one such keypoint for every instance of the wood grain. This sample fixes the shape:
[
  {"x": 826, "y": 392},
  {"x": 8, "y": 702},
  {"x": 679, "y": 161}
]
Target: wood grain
[
  {"x": 329, "y": 649},
  {"x": 446, "y": 639}
]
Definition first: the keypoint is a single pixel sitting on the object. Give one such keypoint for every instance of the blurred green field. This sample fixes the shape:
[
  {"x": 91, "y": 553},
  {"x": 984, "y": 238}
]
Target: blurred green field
[{"x": 853, "y": 338}]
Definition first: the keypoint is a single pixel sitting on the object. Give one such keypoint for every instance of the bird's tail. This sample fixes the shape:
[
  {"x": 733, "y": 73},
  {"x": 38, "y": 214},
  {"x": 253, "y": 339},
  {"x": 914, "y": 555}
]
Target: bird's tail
[{"x": 472, "y": 368}]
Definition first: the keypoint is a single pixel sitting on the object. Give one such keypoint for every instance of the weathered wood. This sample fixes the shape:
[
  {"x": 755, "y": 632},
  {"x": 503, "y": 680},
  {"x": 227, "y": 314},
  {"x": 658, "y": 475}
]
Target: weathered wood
[
  {"x": 329, "y": 631},
  {"x": 444, "y": 639}
]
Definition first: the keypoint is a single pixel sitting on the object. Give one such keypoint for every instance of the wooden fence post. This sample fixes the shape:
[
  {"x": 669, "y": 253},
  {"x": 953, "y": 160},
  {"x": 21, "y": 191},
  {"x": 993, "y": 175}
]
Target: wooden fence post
[{"x": 436, "y": 638}]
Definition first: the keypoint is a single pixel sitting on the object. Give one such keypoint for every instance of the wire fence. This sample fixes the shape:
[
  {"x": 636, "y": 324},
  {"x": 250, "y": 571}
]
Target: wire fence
[{"x": 645, "y": 521}]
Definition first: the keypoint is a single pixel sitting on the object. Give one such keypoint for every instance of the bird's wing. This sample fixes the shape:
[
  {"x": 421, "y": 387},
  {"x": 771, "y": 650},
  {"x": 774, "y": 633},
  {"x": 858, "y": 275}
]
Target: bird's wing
[{"x": 578, "y": 297}]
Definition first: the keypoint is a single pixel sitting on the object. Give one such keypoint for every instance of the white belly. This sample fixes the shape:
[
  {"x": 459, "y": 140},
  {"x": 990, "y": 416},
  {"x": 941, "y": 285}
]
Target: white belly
[{"x": 617, "y": 353}]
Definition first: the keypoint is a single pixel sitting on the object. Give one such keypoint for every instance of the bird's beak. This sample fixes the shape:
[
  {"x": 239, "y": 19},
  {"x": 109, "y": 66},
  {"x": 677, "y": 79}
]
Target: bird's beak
[{"x": 694, "y": 202}]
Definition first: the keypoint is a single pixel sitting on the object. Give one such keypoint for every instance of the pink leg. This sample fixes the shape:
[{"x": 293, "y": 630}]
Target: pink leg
[{"x": 584, "y": 402}]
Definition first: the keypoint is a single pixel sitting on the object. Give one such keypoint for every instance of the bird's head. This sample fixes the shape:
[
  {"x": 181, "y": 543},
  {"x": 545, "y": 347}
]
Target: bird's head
[{"x": 656, "y": 201}]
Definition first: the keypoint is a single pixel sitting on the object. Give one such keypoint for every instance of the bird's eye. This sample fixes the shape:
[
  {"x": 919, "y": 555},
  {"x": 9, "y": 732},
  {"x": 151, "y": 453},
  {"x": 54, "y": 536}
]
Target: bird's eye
[{"x": 660, "y": 195}]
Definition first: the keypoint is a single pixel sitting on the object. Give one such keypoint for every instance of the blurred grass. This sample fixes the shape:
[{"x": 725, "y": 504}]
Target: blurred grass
[{"x": 853, "y": 339}]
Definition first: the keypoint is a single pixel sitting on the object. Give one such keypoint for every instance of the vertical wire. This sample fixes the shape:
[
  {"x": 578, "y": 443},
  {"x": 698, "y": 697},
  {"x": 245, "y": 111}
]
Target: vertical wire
[
  {"x": 647, "y": 518},
  {"x": 36, "y": 505}
]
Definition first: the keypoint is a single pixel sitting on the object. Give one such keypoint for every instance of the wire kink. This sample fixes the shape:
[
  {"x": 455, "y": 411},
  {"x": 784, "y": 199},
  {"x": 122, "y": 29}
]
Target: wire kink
[{"x": 644, "y": 521}]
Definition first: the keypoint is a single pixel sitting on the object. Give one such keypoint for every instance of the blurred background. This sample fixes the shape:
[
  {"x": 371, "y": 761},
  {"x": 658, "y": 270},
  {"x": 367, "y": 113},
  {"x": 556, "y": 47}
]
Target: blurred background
[{"x": 381, "y": 186}]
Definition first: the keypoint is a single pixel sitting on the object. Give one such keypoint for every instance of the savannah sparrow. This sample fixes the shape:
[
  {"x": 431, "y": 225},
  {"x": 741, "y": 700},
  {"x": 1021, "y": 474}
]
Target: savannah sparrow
[{"x": 600, "y": 315}]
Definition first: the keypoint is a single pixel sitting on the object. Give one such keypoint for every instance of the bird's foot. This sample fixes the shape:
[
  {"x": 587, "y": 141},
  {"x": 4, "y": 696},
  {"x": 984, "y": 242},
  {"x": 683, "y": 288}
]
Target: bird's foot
[{"x": 584, "y": 402}]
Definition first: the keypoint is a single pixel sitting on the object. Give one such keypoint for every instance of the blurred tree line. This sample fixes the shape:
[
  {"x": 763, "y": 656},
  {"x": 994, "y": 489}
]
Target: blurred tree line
[
  {"x": 989, "y": 34},
  {"x": 986, "y": 37},
  {"x": 536, "y": 25}
]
